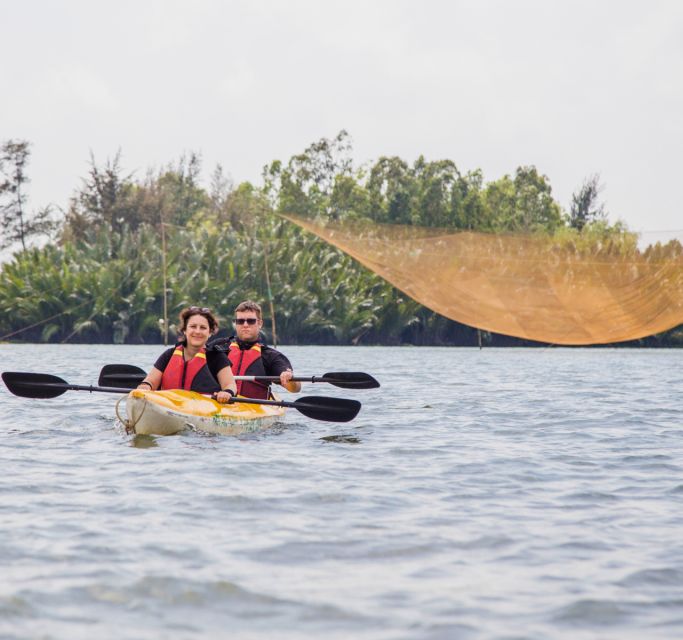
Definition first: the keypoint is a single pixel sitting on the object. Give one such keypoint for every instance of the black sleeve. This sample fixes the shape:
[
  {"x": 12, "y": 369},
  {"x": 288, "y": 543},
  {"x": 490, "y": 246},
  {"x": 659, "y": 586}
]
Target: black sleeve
[
  {"x": 217, "y": 361},
  {"x": 164, "y": 359},
  {"x": 275, "y": 362}
]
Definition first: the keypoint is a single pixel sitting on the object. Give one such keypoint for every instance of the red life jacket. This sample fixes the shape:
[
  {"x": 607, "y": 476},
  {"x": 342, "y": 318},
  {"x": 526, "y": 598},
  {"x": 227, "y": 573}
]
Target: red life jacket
[
  {"x": 248, "y": 362},
  {"x": 179, "y": 374}
]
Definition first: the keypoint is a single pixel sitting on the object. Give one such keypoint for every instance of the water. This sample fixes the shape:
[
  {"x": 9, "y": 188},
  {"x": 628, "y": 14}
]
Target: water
[{"x": 500, "y": 494}]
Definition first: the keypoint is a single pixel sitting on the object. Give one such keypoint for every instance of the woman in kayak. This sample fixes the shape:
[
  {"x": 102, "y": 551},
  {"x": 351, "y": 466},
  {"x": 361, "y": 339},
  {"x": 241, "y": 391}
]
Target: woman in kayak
[{"x": 189, "y": 365}]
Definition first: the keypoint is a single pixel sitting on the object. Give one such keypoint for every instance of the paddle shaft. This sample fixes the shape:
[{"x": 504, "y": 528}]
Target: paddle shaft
[
  {"x": 276, "y": 403},
  {"x": 83, "y": 387},
  {"x": 277, "y": 379},
  {"x": 134, "y": 377},
  {"x": 129, "y": 376}
]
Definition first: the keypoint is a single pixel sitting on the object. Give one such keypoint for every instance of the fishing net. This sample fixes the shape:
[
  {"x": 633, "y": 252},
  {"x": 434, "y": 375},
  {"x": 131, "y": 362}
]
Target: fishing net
[{"x": 530, "y": 286}]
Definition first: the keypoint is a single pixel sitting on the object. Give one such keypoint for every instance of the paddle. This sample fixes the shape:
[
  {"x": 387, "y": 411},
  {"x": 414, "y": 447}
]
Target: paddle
[
  {"x": 44, "y": 385},
  {"x": 341, "y": 379},
  {"x": 316, "y": 407},
  {"x": 127, "y": 376},
  {"x": 130, "y": 376}
]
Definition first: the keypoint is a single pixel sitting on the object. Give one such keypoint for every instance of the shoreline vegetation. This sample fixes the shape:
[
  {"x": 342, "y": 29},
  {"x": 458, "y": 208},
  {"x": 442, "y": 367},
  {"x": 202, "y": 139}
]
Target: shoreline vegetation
[{"x": 92, "y": 273}]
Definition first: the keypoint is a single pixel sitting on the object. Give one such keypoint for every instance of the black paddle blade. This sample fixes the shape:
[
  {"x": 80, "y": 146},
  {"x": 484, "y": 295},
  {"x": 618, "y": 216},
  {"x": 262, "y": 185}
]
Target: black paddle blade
[
  {"x": 34, "y": 385},
  {"x": 125, "y": 376},
  {"x": 351, "y": 380},
  {"x": 330, "y": 409}
]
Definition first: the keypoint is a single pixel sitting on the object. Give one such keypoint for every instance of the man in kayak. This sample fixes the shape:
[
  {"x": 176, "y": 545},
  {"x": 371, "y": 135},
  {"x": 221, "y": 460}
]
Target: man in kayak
[
  {"x": 250, "y": 356},
  {"x": 189, "y": 365}
]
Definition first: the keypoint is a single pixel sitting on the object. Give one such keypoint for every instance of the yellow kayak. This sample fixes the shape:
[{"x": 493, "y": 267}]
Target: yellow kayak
[{"x": 165, "y": 413}]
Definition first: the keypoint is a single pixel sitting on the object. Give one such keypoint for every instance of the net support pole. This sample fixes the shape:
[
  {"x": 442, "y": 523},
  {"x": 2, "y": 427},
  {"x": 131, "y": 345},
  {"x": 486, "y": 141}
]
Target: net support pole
[
  {"x": 163, "y": 271},
  {"x": 270, "y": 294}
]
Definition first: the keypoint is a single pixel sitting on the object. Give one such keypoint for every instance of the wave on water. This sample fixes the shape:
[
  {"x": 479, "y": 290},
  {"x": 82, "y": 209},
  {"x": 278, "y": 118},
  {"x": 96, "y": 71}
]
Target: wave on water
[{"x": 537, "y": 498}]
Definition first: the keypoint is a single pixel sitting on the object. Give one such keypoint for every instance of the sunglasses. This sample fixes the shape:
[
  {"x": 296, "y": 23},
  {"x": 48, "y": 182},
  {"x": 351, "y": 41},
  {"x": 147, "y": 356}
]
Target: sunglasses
[
  {"x": 199, "y": 310},
  {"x": 245, "y": 320}
]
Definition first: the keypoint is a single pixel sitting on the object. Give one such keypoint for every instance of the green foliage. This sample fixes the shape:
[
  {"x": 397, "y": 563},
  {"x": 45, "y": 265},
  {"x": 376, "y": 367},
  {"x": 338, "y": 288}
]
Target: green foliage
[
  {"x": 585, "y": 208},
  {"x": 598, "y": 237},
  {"x": 306, "y": 183},
  {"x": 391, "y": 191},
  {"x": 521, "y": 204},
  {"x": 16, "y": 223},
  {"x": 109, "y": 199},
  {"x": 103, "y": 281}
]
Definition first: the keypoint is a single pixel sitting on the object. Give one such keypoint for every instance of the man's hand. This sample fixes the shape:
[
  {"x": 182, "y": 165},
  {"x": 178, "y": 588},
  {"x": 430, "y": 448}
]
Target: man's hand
[{"x": 286, "y": 381}]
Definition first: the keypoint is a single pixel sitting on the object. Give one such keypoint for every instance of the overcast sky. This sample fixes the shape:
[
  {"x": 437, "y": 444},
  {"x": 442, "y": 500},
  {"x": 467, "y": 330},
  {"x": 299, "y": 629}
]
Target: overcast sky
[{"x": 574, "y": 88}]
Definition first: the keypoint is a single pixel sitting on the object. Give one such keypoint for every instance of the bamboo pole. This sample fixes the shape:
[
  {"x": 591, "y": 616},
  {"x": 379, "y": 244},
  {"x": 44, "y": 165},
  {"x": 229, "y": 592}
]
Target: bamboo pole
[
  {"x": 163, "y": 270},
  {"x": 270, "y": 294}
]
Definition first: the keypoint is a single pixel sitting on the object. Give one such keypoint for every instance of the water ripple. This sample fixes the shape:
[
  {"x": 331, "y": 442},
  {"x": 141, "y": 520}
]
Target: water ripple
[{"x": 528, "y": 494}]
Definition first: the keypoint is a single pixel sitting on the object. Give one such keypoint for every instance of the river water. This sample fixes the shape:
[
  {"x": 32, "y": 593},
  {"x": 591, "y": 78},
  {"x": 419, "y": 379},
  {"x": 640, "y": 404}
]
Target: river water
[{"x": 503, "y": 493}]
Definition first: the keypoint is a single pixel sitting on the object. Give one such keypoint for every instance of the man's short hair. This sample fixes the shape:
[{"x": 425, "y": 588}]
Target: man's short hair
[{"x": 249, "y": 305}]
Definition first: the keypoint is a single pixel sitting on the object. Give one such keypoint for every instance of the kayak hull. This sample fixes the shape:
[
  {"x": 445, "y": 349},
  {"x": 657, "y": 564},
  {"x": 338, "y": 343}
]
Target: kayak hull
[{"x": 165, "y": 413}]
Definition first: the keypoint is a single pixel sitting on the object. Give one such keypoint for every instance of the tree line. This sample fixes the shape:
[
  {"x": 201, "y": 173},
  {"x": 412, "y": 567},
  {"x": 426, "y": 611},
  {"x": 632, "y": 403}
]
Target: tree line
[{"x": 93, "y": 271}]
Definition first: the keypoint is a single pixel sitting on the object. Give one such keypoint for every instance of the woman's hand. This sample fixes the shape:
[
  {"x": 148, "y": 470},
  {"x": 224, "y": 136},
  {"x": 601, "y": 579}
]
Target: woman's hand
[
  {"x": 151, "y": 381},
  {"x": 223, "y": 396},
  {"x": 228, "y": 385}
]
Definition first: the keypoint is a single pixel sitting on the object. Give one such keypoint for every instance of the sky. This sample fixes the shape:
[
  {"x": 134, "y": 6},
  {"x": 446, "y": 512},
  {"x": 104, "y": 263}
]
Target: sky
[{"x": 574, "y": 88}]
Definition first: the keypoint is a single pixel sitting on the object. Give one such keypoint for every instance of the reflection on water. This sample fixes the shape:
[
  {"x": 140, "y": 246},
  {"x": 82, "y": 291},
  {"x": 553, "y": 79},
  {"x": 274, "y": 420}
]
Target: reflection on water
[
  {"x": 514, "y": 493},
  {"x": 342, "y": 438},
  {"x": 143, "y": 442}
]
